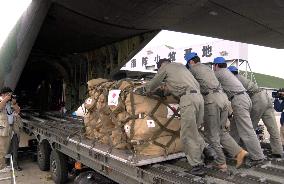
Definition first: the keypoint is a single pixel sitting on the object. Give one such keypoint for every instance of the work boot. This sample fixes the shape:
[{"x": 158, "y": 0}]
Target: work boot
[
  {"x": 198, "y": 170},
  {"x": 276, "y": 155},
  {"x": 209, "y": 154},
  {"x": 253, "y": 163},
  {"x": 241, "y": 157}
]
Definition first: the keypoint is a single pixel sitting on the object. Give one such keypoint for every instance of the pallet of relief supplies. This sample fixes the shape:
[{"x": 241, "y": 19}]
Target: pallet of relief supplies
[{"x": 147, "y": 125}]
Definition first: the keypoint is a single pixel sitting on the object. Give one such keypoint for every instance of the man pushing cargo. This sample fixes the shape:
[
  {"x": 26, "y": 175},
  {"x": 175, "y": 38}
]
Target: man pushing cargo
[
  {"x": 181, "y": 84},
  {"x": 241, "y": 105},
  {"x": 215, "y": 113},
  {"x": 262, "y": 108}
]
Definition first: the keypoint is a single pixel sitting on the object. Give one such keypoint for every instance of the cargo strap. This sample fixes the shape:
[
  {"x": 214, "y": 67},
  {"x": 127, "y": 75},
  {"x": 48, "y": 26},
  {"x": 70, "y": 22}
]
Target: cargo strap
[
  {"x": 119, "y": 125},
  {"x": 174, "y": 134},
  {"x": 97, "y": 85},
  {"x": 133, "y": 114},
  {"x": 100, "y": 90}
]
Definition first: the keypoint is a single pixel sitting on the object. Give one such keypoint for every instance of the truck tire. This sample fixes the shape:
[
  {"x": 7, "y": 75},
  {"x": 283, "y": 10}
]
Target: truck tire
[
  {"x": 43, "y": 156},
  {"x": 58, "y": 167},
  {"x": 85, "y": 178},
  {"x": 91, "y": 177}
]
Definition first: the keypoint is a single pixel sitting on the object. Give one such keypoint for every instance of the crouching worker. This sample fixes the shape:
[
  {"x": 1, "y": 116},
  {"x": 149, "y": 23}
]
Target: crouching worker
[
  {"x": 181, "y": 84},
  {"x": 11, "y": 111}
]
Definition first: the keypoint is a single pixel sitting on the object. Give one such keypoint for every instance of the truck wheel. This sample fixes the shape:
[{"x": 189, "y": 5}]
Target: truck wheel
[
  {"x": 58, "y": 167},
  {"x": 43, "y": 155}
]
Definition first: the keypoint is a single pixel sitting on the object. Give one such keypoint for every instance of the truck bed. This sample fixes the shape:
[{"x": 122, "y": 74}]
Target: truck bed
[{"x": 122, "y": 166}]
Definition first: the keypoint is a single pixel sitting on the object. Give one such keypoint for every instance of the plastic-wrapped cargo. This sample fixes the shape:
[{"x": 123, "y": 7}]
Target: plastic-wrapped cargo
[{"x": 125, "y": 120}]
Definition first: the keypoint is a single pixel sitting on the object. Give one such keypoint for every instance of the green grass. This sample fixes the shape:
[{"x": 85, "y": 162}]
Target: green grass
[{"x": 267, "y": 80}]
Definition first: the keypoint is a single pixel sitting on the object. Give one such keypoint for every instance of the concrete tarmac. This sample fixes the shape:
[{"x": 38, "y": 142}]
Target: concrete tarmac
[{"x": 30, "y": 174}]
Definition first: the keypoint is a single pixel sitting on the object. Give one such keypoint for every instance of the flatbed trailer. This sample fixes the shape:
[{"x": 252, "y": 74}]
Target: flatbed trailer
[{"x": 62, "y": 139}]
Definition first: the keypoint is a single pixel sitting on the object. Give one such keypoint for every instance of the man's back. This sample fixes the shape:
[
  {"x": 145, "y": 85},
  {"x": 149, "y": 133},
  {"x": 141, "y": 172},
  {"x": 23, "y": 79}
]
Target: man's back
[
  {"x": 177, "y": 78},
  {"x": 205, "y": 76},
  {"x": 250, "y": 86},
  {"x": 229, "y": 82}
]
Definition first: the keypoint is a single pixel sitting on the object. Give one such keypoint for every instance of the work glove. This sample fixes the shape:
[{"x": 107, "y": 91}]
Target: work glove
[
  {"x": 140, "y": 91},
  {"x": 159, "y": 92},
  {"x": 231, "y": 116}
]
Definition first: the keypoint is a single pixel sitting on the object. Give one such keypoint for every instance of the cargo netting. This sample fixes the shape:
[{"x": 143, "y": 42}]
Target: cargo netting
[{"x": 122, "y": 119}]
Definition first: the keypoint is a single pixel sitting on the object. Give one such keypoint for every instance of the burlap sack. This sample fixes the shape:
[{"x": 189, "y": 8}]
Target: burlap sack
[
  {"x": 105, "y": 124},
  {"x": 107, "y": 85},
  {"x": 90, "y": 103},
  {"x": 92, "y": 84},
  {"x": 103, "y": 138},
  {"x": 103, "y": 129},
  {"x": 101, "y": 102},
  {"x": 121, "y": 117},
  {"x": 90, "y": 133},
  {"x": 98, "y": 126},
  {"x": 119, "y": 139},
  {"x": 92, "y": 92},
  {"x": 118, "y": 136},
  {"x": 145, "y": 105},
  {"x": 155, "y": 150},
  {"x": 90, "y": 119},
  {"x": 108, "y": 127},
  {"x": 95, "y": 135},
  {"x": 124, "y": 85},
  {"x": 144, "y": 129}
]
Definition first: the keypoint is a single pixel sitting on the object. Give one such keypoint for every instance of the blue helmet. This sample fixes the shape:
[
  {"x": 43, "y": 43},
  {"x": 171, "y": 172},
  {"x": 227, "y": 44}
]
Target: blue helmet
[
  {"x": 188, "y": 56},
  {"x": 219, "y": 60},
  {"x": 233, "y": 69}
]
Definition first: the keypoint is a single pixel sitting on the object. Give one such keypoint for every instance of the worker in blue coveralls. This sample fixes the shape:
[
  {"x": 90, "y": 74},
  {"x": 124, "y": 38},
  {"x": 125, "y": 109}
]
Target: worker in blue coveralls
[{"x": 279, "y": 107}]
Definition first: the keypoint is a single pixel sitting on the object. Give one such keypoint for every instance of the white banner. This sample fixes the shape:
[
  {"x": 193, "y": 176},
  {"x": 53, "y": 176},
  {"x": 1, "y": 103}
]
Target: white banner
[{"x": 207, "y": 52}]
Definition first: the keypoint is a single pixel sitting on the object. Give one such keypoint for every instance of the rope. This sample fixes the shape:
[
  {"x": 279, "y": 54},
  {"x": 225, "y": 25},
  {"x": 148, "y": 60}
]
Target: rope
[
  {"x": 163, "y": 128},
  {"x": 104, "y": 88}
]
